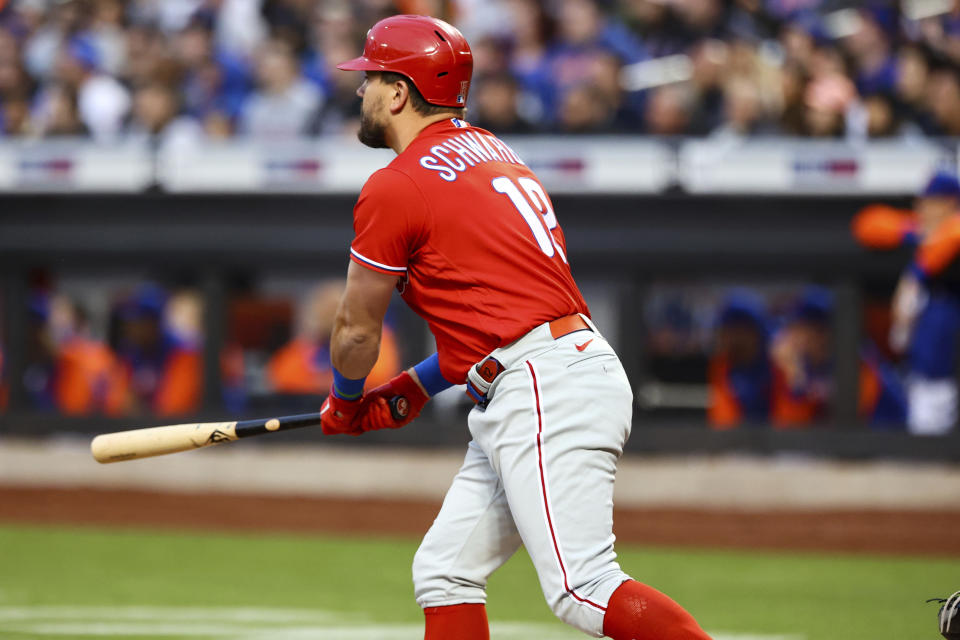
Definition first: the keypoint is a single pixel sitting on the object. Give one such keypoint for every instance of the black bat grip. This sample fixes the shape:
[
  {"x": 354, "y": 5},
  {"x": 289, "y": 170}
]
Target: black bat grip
[
  {"x": 260, "y": 426},
  {"x": 399, "y": 408}
]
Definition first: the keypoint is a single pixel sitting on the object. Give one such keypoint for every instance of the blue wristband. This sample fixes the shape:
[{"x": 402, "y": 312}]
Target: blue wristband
[
  {"x": 430, "y": 377},
  {"x": 346, "y": 388}
]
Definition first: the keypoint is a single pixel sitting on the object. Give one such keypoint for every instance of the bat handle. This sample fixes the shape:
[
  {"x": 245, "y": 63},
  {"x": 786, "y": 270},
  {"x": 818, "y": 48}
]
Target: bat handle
[{"x": 399, "y": 407}]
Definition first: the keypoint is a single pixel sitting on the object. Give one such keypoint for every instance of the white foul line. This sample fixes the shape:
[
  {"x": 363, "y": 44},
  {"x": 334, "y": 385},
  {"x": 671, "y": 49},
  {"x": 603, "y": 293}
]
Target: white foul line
[{"x": 252, "y": 623}]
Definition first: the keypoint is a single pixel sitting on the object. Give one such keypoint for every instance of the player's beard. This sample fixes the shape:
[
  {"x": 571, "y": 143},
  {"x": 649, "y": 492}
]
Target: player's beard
[{"x": 373, "y": 133}]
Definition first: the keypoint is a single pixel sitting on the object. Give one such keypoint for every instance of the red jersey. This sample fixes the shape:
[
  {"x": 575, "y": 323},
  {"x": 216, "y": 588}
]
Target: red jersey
[{"x": 472, "y": 233}]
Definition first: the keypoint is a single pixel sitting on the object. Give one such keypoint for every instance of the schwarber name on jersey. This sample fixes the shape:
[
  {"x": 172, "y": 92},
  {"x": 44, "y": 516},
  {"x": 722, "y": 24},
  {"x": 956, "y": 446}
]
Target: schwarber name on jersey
[{"x": 472, "y": 233}]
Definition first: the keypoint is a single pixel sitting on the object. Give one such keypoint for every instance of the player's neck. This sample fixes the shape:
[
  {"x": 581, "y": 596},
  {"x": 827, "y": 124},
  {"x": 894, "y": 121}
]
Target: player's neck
[{"x": 407, "y": 126}]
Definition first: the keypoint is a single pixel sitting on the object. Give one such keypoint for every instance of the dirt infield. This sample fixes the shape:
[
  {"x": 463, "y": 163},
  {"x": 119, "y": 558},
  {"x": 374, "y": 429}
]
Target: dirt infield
[{"x": 907, "y": 532}]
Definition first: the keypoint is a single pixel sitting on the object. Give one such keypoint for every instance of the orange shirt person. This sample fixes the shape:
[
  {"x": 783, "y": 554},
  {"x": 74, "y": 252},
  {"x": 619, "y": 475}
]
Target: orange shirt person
[
  {"x": 934, "y": 228},
  {"x": 739, "y": 373},
  {"x": 803, "y": 378},
  {"x": 880, "y": 399},
  {"x": 926, "y": 304},
  {"x": 88, "y": 378},
  {"x": 85, "y": 376},
  {"x": 164, "y": 367},
  {"x": 302, "y": 366}
]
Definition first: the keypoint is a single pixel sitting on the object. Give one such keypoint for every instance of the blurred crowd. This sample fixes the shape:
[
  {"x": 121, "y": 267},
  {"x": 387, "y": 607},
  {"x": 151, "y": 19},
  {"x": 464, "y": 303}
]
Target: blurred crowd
[
  {"x": 170, "y": 70},
  {"x": 143, "y": 353},
  {"x": 773, "y": 362},
  {"x": 779, "y": 369},
  {"x": 149, "y": 361},
  {"x": 765, "y": 355}
]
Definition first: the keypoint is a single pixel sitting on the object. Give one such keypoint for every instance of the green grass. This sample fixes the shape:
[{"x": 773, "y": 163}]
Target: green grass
[{"x": 817, "y": 596}]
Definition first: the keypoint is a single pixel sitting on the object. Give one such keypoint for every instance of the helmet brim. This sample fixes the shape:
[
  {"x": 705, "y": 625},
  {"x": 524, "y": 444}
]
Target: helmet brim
[{"x": 361, "y": 63}]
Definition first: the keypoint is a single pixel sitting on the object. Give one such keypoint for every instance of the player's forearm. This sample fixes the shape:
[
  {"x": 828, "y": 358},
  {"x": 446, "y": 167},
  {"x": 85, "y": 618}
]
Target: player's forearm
[
  {"x": 354, "y": 349},
  {"x": 355, "y": 341}
]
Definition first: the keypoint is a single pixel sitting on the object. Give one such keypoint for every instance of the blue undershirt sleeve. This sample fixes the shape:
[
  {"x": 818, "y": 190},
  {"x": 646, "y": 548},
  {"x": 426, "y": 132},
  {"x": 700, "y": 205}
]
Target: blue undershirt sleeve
[{"x": 430, "y": 377}]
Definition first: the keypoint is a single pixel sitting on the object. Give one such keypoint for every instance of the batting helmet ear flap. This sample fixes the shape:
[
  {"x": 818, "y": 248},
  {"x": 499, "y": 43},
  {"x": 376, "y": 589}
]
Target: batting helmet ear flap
[{"x": 433, "y": 54}]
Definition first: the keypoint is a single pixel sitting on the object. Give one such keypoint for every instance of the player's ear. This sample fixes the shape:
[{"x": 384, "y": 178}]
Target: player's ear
[{"x": 399, "y": 97}]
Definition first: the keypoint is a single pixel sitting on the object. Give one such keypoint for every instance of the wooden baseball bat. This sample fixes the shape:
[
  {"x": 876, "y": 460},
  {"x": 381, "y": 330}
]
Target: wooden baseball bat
[
  {"x": 158, "y": 441},
  {"x": 173, "y": 438}
]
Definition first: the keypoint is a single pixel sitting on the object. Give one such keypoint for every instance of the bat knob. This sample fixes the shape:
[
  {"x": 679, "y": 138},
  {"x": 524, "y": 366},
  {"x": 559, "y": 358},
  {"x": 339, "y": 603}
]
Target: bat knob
[{"x": 399, "y": 407}]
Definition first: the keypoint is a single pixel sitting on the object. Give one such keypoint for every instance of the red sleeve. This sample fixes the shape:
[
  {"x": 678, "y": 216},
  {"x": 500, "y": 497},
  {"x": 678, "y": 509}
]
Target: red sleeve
[{"x": 389, "y": 222}]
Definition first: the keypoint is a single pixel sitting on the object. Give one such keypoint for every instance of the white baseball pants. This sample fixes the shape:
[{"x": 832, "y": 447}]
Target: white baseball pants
[
  {"x": 931, "y": 405},
  {"x": 539, "y": 471}
]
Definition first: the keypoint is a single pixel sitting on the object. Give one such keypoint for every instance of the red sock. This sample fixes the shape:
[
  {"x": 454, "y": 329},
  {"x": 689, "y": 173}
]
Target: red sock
[
  {"x": 639, "y": 612},
  {"x": 457, "y": 622}
]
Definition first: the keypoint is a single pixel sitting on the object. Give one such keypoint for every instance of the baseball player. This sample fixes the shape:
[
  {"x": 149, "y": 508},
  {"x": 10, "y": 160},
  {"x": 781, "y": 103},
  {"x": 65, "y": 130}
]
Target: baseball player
[
  {"x": 926, "y": 304},
  {"x": 462, "y": 227}
]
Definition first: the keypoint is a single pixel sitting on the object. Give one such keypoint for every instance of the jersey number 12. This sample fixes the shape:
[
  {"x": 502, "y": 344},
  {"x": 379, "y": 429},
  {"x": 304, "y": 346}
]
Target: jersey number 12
[{"x": 541, "y": 222}]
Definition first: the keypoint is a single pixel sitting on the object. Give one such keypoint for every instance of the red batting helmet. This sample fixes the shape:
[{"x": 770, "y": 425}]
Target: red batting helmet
[{"x": 433, "y": 54}]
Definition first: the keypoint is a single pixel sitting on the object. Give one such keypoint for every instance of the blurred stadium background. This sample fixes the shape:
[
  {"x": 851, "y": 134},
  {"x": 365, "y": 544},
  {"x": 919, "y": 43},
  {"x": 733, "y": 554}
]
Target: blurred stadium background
[{"x": 176, "y": 186}]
